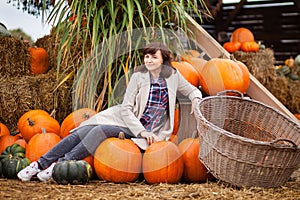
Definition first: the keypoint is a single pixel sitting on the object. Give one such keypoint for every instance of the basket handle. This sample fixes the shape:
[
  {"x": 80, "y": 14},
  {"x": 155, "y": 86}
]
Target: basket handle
[
  {"x": 230, "y": 91},
  {"x": 284, "y": 140}
]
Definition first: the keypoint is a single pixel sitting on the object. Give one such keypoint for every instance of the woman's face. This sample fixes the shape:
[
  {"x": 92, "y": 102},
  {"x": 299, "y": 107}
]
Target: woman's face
[{"x": 153, "y": 62}]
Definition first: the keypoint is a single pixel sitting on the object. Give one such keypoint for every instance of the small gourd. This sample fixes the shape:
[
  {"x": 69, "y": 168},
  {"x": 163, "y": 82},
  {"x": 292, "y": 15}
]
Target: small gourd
[{"x": 290, "y": 62}]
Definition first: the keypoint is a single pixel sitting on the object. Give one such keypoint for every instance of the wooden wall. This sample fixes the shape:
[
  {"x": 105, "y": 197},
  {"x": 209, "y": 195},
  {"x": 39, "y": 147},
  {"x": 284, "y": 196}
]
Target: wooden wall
[{"x": 275, "y": 23}]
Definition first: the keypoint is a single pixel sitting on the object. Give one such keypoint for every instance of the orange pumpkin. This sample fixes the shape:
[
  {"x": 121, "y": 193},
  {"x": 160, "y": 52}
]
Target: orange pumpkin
[
  {"x": 250, "y": 46},
  {"x": 187, "y": 71},
  {"x": 162, "y": 163},
  {"x": 40, "y": 144},
  {"x": 21, "y": 142},
  {"x": 74, "y": 119},
  {"x": 297, "y": 116},
  {"x": 224, "y": 74},
  {"x": 28, "y": 114},
  {"x": 4, "y": 130},
  {"x": 34, "y": 124},
  {"x": 242, "y": 35},
  {"x": 90, "y": 159},
  {"x": 194, "y": 170},
  {"x": 118, "y": 160},
  {"x": 232, "y": 47},
  {"x": 176, "y": 119},
  {"x": 39, "y": 60},
  {"x": 7, "y": 140}
]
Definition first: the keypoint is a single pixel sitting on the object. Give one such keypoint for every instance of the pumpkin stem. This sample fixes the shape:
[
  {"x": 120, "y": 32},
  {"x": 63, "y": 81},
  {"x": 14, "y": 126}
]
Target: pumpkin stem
[
  {"x": 30, "y": 122},
  {"x": 121, "y": 135},
  {"x": 86, "y": 115},
  {"x": 43, "y": 130}
]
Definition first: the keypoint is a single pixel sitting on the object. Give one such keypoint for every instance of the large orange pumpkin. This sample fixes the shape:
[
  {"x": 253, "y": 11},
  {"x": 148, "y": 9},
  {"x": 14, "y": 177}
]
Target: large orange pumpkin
[
  {"x": 242, "y": 35},
  {"x": 74, "y": 119},
  {"x": 39, "y": 60},
  {"x": 7, "y": 140},
  {"x": 224, "y": 74},
  {"x": 118, "y": 160},
  {"x": 4, "y": 130},
  {"x": 194, "y": 170},
  {"x": 162, "y": 163},
  {"x": 40, "y": 144},
  {"x": 187, "y": 71},
  {"x": 34, "y": 124}
]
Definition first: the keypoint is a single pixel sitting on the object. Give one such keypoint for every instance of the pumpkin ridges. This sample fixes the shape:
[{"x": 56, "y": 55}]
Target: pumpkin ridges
[
  {"x": 187, "y": 71},
  {"x": 39, "y": 60},
  {"x": 28, "y": 114},
  {"x": 4, "y": 130},
  {"x": 74, "y": 119},
  {"x": 223, "y": 74},
  {"x": 34, "y": 125},
  {"x": 162, "y": 163},
  {"x": 7, "y": 140},
  {"x": 194, "y": 170},
  {"x": 232, "y": 47},
  {"x": 117, "y": 160},
  {"x": 40, "y": 144},
  {"x": 242, "y": 35},
  {"x": 250, "y": 46}
]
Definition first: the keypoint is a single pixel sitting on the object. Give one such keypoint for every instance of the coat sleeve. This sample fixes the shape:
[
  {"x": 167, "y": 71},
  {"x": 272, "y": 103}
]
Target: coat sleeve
[
  {"x": 186, "y": 88},
  {"x": 128, "y": 105}
]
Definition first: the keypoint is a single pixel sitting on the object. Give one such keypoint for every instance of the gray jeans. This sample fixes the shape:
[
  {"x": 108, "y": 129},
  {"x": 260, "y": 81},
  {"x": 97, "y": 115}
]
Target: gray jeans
[{"x": 81, "y": 143}]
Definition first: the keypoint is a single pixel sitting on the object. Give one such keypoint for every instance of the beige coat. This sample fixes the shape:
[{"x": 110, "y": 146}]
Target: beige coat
[{"x": 130, "y": 111}]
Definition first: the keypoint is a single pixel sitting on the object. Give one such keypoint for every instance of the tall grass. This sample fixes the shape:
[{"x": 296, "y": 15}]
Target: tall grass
[{"x": 115, "y": 30}]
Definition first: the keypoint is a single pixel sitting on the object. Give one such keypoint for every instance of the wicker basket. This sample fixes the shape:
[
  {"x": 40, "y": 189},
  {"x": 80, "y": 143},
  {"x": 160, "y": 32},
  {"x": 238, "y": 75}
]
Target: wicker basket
[{"x": 246, "y": 143}]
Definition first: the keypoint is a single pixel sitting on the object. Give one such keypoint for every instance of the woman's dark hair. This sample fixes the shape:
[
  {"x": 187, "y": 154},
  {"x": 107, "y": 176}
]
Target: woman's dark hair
[{"x": 152, "y": 48}]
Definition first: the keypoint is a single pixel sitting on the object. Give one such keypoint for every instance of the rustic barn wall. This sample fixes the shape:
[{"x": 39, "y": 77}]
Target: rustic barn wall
[{"x": 275, "y": 23}]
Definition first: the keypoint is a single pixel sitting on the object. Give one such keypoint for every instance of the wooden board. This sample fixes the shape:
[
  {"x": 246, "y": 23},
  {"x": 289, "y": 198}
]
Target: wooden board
[{"x": 213, "y": 49}]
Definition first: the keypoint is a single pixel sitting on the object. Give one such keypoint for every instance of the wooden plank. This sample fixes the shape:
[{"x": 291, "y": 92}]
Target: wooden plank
[{"x": 213, "y": 49}]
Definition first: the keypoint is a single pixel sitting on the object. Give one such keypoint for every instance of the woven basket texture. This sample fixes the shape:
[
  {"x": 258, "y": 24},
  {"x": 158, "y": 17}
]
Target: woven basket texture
[{"x": 247, "y": 143}]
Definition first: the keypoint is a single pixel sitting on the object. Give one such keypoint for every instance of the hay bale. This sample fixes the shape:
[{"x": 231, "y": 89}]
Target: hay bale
[
  {"x": 14, "y": 57},
  {"x": 260, "y": 64},
  {"x": 51, "y": 44},
  {"x": 21, "y": 94},
  {"x": 279, "y": 88},
  {"x": 293, "y": 102}
]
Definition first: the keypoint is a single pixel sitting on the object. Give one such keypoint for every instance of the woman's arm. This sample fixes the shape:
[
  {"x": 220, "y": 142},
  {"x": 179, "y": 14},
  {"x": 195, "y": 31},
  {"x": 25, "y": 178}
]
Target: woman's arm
[{"x": 128, "y": 105}]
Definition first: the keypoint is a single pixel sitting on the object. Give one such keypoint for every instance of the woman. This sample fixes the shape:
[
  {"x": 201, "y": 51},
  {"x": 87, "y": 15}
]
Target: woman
[{"x": 146, "y": 114}]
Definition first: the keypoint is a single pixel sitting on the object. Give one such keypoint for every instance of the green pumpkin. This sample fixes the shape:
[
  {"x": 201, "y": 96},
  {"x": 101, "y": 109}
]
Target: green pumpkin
[
  {"x": 13, "y": 151},
  {"x": 72, "y": 172},
  {"x": 11, "y": 167}
]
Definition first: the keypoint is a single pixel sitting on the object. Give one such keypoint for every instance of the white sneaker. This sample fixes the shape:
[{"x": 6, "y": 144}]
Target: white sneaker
[
  {"x": 28, "y": 172},
  {"x": 46, "y": 174}
]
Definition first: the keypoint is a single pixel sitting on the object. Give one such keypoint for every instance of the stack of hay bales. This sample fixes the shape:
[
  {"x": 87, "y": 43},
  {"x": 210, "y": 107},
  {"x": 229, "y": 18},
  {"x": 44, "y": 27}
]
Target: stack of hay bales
[
  {"x": 261, "y": 66},
  {"x": 22, "y": 91}
]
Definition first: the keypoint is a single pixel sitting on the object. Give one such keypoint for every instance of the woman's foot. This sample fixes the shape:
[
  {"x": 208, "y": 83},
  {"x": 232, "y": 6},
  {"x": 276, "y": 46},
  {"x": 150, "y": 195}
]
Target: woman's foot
[
  {"x": 46, "y": 174},
  {"x": 29, "y": 171}
]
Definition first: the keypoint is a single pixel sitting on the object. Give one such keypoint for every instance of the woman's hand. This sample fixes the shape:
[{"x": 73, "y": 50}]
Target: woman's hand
[
  {"x": 150, "y": 137},
  {"x": 194, "y": 103}
]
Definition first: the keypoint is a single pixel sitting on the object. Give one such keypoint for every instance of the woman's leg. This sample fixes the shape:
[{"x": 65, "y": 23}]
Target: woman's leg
[
  {"x": 94, "y": 137},
  {"x": 64, "y": 146}
]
